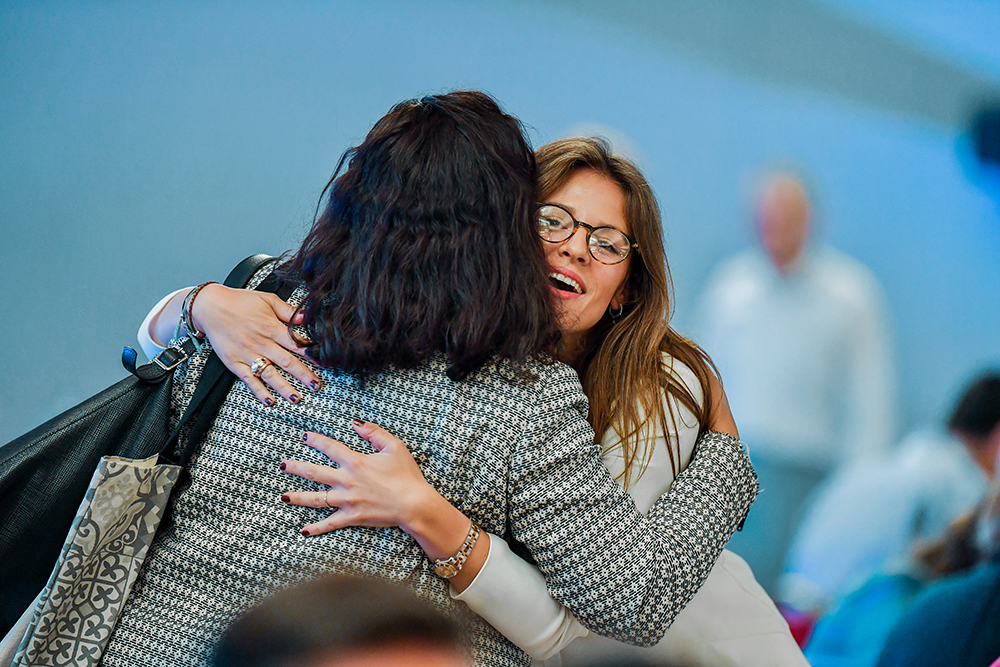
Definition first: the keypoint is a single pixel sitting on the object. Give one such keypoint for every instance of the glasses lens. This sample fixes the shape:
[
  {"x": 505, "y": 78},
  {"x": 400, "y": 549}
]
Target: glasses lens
[
  {"x": 608, "y": 245},
  {"x": 554, "y": 224}
]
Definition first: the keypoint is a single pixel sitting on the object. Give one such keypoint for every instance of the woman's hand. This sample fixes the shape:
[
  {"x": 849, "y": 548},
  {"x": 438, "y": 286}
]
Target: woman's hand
[
  {"x": 720, "y": 415},
  {"x": 375, "y": 490},
  {"x": 384, "y": 489},
  {"x": 244, "y": 325}
]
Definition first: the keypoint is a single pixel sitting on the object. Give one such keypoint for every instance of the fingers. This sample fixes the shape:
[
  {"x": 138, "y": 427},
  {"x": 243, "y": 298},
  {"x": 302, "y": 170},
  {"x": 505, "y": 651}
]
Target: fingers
[
  {"x": 376, "y": 435},
  {"x": 316, "y": 473},
  {"x": 255, "y": 386},
  {"x": 322, "y": 501},
  {"x": 335, "y": 521},
  {"x": 317, "y": 500},
  {"x": 294, "y": 366},
  {"x": 334, "y": 450}
]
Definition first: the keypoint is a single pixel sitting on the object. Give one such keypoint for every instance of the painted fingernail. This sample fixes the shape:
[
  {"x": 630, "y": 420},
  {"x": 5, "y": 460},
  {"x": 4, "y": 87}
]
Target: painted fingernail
[
  {"x": 286, "y": 499},
  {"x": 268, "y": 401},
  {"x": 358, "y": 422},
  {"x": 294, "y": 398},
  {"x": 305, "y": 531},
  {"x": 305, "y": 437},
  {"x": 314, "y": 385},
  {"x": 282, "y": 466}
]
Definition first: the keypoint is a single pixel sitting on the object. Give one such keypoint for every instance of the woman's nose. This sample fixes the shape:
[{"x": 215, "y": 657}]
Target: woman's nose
[{"x": 576, "y": 245}]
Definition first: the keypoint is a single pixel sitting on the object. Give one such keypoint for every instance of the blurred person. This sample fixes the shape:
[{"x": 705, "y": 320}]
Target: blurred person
[
  {"x": 871, "y": 514},
  {"x": 424, "y": 296},
  {"x": 801, "y": 338},
  {"x": 875, "y": 520},
  {"x": 612, "y": 308},
  {"x": 342, "y": 621},
  {"x": 956, "y": 622}
]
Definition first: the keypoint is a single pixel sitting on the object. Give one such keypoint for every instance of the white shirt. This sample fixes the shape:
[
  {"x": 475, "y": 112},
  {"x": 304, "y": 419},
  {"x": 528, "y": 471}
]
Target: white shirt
[{"x": 805, "y": 357}]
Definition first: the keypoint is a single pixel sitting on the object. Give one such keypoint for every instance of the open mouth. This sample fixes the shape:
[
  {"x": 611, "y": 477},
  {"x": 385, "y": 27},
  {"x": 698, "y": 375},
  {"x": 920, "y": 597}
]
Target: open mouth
[{"x": 564, "y": 283}]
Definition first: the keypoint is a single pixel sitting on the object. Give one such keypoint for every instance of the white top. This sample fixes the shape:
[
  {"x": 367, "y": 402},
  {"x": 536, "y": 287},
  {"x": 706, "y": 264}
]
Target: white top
[
  {"x": 806, "y": 357},
  {"x": 730, "y": 621}
]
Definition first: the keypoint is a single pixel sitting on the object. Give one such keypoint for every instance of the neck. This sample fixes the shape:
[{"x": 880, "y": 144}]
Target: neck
[{"x": 570, "y": 348}]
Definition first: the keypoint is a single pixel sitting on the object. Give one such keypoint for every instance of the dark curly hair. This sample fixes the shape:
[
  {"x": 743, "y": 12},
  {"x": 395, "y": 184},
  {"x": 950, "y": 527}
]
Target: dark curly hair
[{"x": 427, "y": 244}]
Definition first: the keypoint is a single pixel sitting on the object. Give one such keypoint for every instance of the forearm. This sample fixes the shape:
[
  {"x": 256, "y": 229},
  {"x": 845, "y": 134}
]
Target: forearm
[
  {"x": 705, "y": 506},
  {"x": 623, "y": 575},
  {"x": 440, "y": 529},
  {"x": 511, "y": 595}
]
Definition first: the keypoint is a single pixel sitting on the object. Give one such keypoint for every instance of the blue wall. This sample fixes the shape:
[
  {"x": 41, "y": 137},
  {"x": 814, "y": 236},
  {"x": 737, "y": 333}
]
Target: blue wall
[{"x": 144, "y": 148}]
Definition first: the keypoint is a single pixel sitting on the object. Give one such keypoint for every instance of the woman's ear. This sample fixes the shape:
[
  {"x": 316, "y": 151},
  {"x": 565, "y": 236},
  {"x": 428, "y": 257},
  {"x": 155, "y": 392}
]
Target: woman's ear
[{"x": 620, "y": 297}]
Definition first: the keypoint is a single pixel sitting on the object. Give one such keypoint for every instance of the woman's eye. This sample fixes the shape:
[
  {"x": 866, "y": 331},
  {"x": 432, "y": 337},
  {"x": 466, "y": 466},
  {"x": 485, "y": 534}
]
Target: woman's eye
[{"x": 606, "y": 246}]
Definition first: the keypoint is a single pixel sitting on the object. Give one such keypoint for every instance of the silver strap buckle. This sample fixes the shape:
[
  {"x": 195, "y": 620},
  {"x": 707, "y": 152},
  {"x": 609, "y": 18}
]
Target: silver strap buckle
[{"x": 170, "y": 358}]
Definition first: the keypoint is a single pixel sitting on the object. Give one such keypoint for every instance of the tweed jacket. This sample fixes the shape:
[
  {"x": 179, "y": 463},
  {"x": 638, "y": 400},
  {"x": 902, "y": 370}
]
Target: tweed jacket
[{"x": 518, "y": 458}]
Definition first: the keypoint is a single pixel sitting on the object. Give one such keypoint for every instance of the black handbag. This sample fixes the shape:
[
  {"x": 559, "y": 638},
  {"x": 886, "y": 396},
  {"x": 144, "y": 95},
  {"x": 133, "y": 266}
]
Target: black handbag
[{"x": 45, "y": 473}]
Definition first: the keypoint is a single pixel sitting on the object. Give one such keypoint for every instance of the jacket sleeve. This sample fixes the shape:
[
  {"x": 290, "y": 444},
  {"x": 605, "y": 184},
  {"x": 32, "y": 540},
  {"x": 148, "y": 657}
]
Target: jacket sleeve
[{"x": 622, "y": 574}]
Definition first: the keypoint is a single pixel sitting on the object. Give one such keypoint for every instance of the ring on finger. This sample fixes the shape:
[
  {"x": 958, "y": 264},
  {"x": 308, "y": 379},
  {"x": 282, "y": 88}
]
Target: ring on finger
[
  {"x": 258, "y": 366},
  {"x": 325, "y": 501}
]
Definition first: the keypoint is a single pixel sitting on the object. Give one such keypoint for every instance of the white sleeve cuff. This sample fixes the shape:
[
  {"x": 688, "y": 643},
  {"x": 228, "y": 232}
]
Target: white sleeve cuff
[
  {"x": 512, "y": 596},
  {"x": 149, "y": 346}
]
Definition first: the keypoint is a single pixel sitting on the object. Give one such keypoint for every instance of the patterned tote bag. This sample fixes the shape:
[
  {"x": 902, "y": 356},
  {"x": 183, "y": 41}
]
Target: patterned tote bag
[
  {"x": 99, "y": 563},
  {"x": 114, "y": 527}
]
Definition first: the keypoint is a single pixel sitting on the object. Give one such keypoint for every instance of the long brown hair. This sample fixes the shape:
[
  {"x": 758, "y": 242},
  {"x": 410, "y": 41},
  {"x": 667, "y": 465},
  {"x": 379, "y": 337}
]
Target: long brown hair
[{"x": 623, "y": 371}]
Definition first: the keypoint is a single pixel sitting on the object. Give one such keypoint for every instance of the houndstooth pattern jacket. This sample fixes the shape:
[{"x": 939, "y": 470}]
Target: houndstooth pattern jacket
[{"x": 519, "y": 459}]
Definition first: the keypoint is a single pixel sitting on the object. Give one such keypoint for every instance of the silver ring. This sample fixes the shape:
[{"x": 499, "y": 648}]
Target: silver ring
[
  {"x": 325, "y": 502},
  {"x": 258, "y": 366}
]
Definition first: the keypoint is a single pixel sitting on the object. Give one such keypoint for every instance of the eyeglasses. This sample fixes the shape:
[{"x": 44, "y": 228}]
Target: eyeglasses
[{"x": 606, "y": 244}]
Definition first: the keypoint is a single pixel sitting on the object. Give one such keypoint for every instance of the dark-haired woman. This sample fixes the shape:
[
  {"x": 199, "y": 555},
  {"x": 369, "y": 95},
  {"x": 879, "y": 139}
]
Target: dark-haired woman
[
  {"x": 423, "y": 290},
  {"x": 651, "y": 393}
]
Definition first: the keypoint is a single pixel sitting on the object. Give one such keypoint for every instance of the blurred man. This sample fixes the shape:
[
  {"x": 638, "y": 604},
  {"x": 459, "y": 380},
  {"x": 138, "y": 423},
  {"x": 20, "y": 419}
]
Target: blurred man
[{"x": 800, "y": 335}]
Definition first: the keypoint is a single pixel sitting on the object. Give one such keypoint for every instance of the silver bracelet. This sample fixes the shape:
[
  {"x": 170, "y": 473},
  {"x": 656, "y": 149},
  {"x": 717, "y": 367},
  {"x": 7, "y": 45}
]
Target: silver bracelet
[{"x": 449, "y": 567}]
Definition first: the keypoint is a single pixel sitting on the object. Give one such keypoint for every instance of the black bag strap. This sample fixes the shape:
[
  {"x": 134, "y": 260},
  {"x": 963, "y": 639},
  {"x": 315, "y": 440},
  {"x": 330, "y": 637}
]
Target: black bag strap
[{"x": 216, "y": 380}]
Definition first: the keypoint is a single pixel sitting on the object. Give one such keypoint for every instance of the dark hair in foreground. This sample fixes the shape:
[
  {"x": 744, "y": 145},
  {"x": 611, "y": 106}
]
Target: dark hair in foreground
[
  {"x": 320, "y": 619},
  {"x": 427, "y": 244}
]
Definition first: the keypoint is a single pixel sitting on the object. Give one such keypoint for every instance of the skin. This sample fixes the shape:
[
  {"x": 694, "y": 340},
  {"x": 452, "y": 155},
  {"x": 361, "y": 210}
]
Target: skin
[
  {"x": 983, "y": 449},
  {"x": 396, "y": 654},
  {"x": 598, "y": 201},
  {"x": 387, "y": 488},
  {"x": 783, "y": 221}
]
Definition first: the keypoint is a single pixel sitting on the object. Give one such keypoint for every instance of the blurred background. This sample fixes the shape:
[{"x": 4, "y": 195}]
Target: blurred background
[{"x": 148, "y": 146}]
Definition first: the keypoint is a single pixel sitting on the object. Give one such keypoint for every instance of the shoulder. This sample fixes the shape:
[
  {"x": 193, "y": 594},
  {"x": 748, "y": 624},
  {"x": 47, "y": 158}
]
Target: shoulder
[
  {"x": 739, "y": 278},
  {"x": 747, "y": 262},
  {"x": 540, "y": 385},
  {"x": 945, "y": 617},
  {"x": 845, "y": 278},
  {"x": 685, "y": 375}
]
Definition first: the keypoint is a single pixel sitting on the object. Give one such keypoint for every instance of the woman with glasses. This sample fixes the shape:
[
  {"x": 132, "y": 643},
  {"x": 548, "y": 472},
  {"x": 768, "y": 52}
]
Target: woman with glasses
[{"x": 651, "y": 393}]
